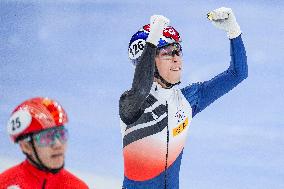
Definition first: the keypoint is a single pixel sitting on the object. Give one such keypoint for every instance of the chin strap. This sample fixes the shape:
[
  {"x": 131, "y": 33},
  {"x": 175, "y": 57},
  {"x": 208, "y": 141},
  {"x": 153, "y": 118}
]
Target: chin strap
[
  {"x": 39, "y": 163},
  {"x": 158, "y": 76}
]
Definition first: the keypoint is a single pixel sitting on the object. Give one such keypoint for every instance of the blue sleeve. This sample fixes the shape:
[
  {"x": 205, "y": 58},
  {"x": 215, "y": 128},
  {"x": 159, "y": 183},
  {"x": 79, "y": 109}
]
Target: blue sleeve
[{"x": 201, "y": 95}]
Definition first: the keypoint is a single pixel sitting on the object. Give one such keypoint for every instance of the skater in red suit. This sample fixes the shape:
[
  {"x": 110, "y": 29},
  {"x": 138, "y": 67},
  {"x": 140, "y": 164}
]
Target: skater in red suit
[{"x": 38, "y": 126}]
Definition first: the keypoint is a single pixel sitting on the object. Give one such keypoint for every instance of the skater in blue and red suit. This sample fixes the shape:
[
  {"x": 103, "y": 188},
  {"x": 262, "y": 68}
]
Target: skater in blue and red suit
[{"x": 155, "y": 115}]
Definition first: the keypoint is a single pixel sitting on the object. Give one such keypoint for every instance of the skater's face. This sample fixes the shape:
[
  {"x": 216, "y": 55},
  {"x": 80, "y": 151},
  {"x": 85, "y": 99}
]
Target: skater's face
[
  {"x": 50, "y": 146},
  {"x": 169, "y": 63}
]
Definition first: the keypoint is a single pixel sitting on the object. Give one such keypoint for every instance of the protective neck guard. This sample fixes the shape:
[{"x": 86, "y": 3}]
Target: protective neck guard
[{"x": 167, "y": 84}]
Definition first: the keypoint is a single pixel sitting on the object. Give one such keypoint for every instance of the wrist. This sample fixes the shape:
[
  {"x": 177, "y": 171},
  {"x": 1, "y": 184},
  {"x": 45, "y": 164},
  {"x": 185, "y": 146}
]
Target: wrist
[
  {"x": 234, "y": 31},
  {"x": 153, "y": 38}
]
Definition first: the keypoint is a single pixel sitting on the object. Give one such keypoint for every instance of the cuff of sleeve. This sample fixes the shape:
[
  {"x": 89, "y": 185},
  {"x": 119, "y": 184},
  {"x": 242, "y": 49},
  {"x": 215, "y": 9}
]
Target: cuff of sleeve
[
  {"x": 234, "y": 34},
  {"x": 234, "y": 31}
]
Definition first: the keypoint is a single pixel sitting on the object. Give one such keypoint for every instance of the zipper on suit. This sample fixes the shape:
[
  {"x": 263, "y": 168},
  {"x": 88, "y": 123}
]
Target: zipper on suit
[
  {"x": 167, "y": 154},
  {"x": 44, "y": 183}
]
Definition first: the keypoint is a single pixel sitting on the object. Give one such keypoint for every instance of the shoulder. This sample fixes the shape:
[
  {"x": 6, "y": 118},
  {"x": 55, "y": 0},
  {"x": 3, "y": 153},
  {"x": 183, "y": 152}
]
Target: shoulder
[
  {"x": 191, "y": 90},
  {"x": 17, "y": 169},
  {"x": 72, "y": 180},
  {"x": 13, "y": 174}
]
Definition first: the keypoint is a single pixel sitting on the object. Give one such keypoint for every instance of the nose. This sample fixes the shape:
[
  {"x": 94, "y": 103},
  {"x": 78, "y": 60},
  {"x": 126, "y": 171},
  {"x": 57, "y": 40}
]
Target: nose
[
  {"x": 176, "y": 58},
  {"x": 57, "y": 143}
]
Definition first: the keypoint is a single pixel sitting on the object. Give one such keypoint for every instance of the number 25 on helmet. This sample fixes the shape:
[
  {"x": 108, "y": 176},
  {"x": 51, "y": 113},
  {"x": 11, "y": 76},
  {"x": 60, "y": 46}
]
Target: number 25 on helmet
[{"x": 35, "y": 115}]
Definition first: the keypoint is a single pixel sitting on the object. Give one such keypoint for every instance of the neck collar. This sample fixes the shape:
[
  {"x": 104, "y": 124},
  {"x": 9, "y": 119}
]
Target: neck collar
[
  {"x": 35, "y": 172},
  {"x": 167, "y": 84}
]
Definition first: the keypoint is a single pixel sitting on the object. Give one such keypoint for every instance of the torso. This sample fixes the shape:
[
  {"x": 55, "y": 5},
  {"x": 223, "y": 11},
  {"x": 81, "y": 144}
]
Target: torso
[{"x": 157, "y": 138}]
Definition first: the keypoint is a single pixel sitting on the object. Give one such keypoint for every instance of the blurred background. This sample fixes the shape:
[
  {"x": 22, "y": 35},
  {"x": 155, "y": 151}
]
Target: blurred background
[{"x": 76, "y": 52}]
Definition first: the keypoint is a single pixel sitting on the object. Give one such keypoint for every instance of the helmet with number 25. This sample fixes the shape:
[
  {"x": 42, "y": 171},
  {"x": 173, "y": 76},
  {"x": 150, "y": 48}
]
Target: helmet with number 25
[
  {"x": 138, "y": 41},
  {"x": 35, "y": 115}
]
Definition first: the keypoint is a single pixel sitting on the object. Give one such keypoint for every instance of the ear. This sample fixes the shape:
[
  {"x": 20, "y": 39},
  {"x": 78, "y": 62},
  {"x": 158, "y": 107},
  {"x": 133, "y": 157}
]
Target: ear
[{"x": 26, "y": 147}]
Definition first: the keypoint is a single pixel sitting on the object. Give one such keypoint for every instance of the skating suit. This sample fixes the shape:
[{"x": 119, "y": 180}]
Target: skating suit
[
  {"x": 155, "y": 121},
  {"x": 26, "y": 176}
]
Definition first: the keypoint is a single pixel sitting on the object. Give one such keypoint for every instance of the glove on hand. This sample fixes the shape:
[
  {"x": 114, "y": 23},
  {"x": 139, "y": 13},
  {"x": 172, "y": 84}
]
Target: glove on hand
[
  {"x": 224, "y": 18},
  {"x": 157, "y": 25}
]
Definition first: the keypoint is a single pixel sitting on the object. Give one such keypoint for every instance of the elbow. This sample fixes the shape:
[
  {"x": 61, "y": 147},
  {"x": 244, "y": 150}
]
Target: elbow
[
  {"x": 245, "y": 72},
  {"x": 243, "y": 75},
  {"x": 239, "y": 75},
  {"x": 240, "y": 72},
  {"x": 245, "y": 69}
]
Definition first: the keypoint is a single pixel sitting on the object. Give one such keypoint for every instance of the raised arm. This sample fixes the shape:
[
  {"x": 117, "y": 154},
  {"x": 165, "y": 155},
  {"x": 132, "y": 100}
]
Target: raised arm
[
  {"x": 130, "y": 103},
  {"x": 200, "y": 95}
]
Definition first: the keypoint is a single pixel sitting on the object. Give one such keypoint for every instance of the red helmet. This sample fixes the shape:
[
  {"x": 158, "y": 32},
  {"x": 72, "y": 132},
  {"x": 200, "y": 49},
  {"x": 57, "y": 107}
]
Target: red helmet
[{"x": 35, "y": 115}]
